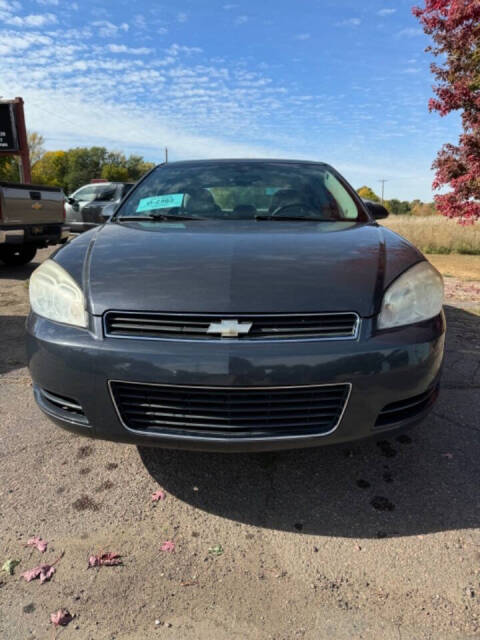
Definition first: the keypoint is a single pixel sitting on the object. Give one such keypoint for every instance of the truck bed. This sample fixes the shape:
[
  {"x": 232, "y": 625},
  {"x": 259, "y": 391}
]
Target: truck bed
[{"x": 28, "y": 204}]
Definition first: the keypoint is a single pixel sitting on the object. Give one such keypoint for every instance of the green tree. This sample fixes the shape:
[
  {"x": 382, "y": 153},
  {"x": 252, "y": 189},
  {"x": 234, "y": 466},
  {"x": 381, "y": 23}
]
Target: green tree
[
  {"x": 115, "y": 173},
  {"x": 83, "y": 164},
  {"x": 398, "y": 208},
  {"x": 366, "y": 193},
  {"x": 9, "y": 170},
  {"x": 51, "y": 169},
  {"x": 137, "y": 167},
  {"x": 75, "y": 167},
  {"x": 420, "y": 208}
]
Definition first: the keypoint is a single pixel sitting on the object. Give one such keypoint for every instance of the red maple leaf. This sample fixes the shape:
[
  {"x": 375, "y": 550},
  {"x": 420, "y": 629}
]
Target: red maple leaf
[
  {"x": 158, "y": 495},
  {"x": 107, "y": 559},
  {"x": 61, "y": 618},
  {"x": 38, "y": 543}
]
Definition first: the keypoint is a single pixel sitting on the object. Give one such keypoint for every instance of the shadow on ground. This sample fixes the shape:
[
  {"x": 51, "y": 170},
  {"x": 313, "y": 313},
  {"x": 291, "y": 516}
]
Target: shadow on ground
[
  {"x": 12, "y": 343},
  {"x": 19, "y": 273},
  {"x": 416, "y": 483}
]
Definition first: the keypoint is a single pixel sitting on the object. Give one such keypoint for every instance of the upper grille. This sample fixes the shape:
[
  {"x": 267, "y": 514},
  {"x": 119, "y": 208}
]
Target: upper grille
[
  {"x": 232, "y": 412},
  {"x": 264, "y": 327}
]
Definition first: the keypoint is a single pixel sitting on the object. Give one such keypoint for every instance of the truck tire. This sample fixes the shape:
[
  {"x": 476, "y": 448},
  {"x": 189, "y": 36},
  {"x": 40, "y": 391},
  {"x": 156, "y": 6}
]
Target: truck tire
[{"x": 17, "y": 256}]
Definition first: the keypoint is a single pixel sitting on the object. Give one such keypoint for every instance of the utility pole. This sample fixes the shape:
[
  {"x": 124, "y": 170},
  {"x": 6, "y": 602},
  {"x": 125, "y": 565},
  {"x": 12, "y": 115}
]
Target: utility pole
[
  {"x": 383, "y": 181},
  {"x": 166, "y": 155}
]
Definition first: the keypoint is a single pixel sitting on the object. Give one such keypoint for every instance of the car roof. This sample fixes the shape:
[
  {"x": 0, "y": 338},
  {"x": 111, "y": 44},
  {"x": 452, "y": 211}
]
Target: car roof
[
  {"x": 103, "y": 184},
  {"x": 244, "y": 161}
]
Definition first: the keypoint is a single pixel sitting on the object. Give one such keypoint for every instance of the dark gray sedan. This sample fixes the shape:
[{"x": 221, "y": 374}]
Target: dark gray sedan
[{"x": 237, "y": 305}]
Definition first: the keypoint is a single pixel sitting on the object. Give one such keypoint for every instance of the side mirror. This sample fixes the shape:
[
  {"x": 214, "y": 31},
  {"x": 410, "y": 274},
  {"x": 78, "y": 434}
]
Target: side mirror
[
  {"x": 376, "y": 210},
  {"x": 108, "y": 211},
  {"x": 71, "y": 200}
]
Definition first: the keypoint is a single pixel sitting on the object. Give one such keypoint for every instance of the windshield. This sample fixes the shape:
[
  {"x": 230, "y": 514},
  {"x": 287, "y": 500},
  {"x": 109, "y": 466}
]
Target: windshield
[{"x": 242, "y": 190}]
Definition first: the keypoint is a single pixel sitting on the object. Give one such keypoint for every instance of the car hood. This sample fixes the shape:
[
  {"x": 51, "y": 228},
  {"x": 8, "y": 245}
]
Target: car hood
[{"x": 238, "y": 266}]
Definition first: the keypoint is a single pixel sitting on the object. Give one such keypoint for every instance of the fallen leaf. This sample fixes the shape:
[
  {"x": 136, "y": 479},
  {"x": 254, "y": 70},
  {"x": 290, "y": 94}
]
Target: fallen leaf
[
  {"x": 108, "y": 559},
  {"x": 9, "y": 566},
  {"x": 217, "y": 550},
  {"x": 43, "y": 571},
  {"x": 158, "y": 495},
  {"x": 168, "y": 546},
  {"x": 61, "y": 618},
  {"x": 38, "y": 543}
]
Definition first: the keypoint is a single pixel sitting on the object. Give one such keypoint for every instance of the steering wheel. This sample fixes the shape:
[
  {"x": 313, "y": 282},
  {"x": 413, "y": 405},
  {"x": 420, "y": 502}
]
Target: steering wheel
[{"x": 301, "y": 209}]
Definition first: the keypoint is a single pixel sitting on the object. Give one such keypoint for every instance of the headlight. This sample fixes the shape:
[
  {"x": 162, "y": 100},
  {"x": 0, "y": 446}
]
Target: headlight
[
  {"x": 55, "y": 295},
  {"x": 415, "y": 296}
]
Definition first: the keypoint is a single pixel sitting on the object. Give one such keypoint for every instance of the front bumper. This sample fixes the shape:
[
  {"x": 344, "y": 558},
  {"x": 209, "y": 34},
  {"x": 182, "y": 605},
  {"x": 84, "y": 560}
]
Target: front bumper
[{"x": 383, "y": 368}]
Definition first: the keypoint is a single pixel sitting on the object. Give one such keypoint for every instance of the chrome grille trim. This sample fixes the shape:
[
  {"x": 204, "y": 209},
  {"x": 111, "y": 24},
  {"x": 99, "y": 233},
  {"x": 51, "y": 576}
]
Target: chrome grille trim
[
  {"x": 280, "y": 327},
  {"x": 251, "y": 438}
]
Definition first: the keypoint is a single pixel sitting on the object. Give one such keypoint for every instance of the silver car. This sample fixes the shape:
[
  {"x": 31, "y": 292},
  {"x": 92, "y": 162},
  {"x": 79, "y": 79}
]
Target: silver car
[{"x": 83, "y": 209}]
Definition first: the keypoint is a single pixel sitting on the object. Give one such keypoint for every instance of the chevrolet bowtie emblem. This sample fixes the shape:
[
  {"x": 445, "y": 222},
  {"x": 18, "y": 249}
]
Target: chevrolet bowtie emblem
[
  {"x": 229, "y": 328},
  {"x": 36, "y": 206}
]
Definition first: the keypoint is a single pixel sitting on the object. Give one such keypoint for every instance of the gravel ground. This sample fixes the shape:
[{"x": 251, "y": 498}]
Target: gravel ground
[{"x": 378, "y": 540}]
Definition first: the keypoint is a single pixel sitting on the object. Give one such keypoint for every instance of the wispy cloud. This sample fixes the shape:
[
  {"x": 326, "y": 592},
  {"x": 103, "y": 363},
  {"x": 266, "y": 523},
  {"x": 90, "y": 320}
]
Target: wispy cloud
[
  {"x": 229, "y": 7},
  {"x": 241, "y": 20},
  {"x": 386, "y": 12},
  {"x": 32, "y": 20},
  {"x": 107, "y": 29},
  {"x": 302, "y": 36},
  {"x": 52, "y": 3},
  {"x": 350, "y": 22},
  {"x": 140, "y": 22},
  {"x": 182, "y": 16},
  {"x": 410, "y": 32},
  {"x": 10, "y": 6},
  {"x": 121, "y": 48}
]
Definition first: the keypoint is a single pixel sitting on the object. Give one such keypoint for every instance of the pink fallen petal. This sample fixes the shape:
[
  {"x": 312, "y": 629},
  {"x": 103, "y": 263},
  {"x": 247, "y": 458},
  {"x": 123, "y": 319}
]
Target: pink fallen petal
[
  {"x": 168, "y": 546},
  {"x": 61, "y": 618},
  {"x": 38, "y": 543},
  {"x": 449, "y": 456},
  {"x": 108, "y": 559},
  {"x": 43, "y": 571},
  {"x": 158, "y": 495}
]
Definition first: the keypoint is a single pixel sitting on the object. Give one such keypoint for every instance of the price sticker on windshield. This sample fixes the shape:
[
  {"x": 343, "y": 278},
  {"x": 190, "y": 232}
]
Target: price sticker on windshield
[{"x": 166, "y": 201}]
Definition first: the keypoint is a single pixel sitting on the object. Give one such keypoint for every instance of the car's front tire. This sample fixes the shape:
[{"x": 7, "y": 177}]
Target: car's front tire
[{"x": 17, "y": 256}]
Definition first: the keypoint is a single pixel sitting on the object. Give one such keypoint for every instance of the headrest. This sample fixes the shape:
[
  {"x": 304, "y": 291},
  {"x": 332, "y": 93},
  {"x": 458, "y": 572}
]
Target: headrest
[{"x": 200, "y": 200}]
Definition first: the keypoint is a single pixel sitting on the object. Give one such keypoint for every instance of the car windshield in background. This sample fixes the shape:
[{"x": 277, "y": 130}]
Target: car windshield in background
[{"x": 242, "y": 190}]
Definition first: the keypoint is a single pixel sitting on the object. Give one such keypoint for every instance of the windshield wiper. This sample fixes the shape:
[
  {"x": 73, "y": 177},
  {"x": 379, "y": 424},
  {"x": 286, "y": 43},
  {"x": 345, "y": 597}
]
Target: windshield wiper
[
  {"x": 160, "y": 217},
  {"x": 291, "y": 218}
]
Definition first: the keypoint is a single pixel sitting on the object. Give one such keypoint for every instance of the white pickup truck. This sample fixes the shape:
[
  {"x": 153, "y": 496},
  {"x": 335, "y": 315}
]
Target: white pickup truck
[{"x": 31, "y": 217}]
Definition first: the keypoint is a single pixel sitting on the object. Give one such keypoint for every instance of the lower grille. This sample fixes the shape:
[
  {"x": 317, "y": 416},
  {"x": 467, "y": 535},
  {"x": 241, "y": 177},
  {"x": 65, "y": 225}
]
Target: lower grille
[
  {"x": 404, "y": 409},
  {"x": 260, "y": 326},
  {"x": 232, "y": 412},
  {"x": 61, "y": 406}
]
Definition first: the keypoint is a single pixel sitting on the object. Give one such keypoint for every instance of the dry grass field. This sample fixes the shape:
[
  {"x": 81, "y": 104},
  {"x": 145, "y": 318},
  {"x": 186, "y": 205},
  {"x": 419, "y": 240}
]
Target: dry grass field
[
  {"x": 466, "y": 268},
  {"x": 436, "y": 234}
]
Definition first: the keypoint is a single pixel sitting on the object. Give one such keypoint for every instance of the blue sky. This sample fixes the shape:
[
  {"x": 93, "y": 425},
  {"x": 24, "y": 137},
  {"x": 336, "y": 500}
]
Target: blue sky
[{"x": 342, "y": 81}]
